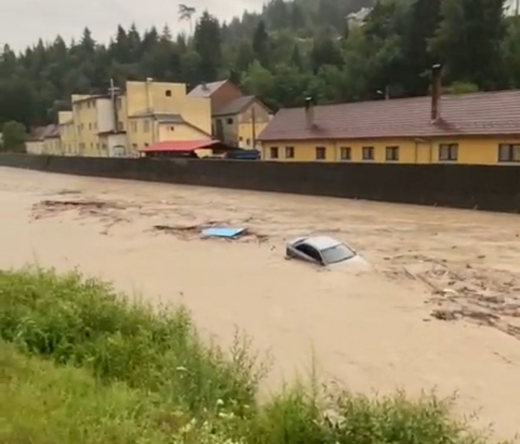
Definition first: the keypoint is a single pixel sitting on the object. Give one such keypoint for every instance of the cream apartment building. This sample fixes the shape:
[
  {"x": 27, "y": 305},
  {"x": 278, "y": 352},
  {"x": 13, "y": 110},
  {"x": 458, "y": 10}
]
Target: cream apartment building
[{"x": 115, "y": 125}]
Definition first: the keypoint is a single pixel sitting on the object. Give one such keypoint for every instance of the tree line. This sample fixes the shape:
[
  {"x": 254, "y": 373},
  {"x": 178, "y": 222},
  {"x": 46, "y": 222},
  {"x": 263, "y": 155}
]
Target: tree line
[{"x": 290, "y": 50}]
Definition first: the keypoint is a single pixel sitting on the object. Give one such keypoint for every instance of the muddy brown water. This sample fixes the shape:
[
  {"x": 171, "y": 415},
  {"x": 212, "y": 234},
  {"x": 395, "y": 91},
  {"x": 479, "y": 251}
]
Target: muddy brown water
[{"x": 439, "y": 307}]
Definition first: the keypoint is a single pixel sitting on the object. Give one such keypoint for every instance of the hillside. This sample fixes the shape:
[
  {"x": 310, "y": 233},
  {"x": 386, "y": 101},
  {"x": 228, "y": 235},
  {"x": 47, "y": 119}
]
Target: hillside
[{"x": 290, "y": 50}]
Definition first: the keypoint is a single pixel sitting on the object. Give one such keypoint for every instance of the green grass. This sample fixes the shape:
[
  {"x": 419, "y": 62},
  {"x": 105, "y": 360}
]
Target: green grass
[
  {"x": 86, "y": 366},
  {"x": 43, "y": 403}
]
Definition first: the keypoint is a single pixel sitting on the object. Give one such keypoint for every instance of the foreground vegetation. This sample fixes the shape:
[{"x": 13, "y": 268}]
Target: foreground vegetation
[{"x": 80, "y": 365}]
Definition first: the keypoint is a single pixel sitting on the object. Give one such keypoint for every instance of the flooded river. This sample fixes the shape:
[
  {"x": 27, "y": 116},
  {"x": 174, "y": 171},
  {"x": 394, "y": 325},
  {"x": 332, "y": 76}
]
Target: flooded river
[{"x": 439, "y": 308}]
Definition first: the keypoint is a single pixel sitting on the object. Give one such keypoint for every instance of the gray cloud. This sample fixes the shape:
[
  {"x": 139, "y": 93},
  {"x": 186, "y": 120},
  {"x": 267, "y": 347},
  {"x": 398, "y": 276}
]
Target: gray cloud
[{"x": 23, "y": 22}]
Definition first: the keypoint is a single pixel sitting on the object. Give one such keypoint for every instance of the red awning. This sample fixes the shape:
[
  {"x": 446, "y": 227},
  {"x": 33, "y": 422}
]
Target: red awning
[{"x": 184, "y": 145}]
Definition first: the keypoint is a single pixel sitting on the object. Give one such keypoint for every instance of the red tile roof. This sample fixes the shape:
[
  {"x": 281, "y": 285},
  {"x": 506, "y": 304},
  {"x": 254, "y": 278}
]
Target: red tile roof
[
  {"x": 471, "y": 114},
  {"x": 180, "y": 146}
]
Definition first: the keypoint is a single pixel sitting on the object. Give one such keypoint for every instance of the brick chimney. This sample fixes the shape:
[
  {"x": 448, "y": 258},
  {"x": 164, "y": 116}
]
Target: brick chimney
[
  {"x": 436, "y": 92},
  {"x": 309, "y": 112}
]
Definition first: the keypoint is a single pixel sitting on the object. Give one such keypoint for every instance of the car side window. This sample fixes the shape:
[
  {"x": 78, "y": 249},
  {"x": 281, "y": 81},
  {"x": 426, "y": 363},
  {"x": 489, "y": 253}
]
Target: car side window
[{"x": 311, "y": 252}]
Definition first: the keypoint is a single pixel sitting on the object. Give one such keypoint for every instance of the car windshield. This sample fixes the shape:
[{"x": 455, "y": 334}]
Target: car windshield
[{"x": 336, "y": 254}]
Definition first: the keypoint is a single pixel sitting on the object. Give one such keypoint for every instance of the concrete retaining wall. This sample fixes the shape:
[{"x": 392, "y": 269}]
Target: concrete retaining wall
[{"x": 494, "y": 188}]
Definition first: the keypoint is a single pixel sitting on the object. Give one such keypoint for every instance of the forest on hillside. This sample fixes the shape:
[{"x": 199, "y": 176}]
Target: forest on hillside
[{"x": 292, "y": 49}]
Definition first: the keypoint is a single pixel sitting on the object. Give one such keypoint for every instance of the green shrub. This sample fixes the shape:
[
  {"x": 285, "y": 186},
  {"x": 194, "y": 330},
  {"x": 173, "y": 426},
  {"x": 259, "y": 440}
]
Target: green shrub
[{"x": 42, "y": 403}]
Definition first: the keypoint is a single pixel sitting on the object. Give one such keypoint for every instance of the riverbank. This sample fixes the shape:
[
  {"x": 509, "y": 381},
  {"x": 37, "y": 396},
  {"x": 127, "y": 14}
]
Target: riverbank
[{"x": 81, "y": 364}]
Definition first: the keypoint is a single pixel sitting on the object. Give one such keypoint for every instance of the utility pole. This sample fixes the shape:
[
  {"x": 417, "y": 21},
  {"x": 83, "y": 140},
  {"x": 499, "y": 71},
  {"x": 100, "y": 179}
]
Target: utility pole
[
  {"x": 113, "y": 98},
  {"x": 114, "y": 92}
]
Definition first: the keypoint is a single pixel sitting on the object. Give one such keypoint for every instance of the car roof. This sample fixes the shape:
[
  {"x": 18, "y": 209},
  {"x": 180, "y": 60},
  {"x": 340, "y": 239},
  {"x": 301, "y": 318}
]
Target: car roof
[{"x": 322, "y": 242}]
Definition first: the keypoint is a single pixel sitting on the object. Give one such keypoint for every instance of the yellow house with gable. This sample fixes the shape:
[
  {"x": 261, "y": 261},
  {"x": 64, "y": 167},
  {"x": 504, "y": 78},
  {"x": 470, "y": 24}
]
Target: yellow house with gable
[
  {"x": 241, "y": 121},
  {"x": 477, "y": 128},
  {"x": 237, "y": 120}
]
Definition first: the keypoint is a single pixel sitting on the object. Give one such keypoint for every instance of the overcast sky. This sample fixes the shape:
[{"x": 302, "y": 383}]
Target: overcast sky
[{"x": 22, "y": 22}]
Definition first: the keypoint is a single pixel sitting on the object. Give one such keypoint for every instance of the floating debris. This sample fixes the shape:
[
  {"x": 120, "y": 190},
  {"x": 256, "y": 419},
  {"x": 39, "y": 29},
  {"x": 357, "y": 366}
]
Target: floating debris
[{"x": 224, "y": 232}]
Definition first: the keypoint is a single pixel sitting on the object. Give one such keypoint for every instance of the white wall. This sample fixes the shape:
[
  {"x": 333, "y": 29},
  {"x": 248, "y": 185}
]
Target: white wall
[
  {"x": 105, "y": 115},
  {"x": 117, "y": 145}
]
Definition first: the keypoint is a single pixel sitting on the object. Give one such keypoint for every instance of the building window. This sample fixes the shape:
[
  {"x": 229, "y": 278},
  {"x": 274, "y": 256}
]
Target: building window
[
  {"x": 146, "y": 145},
  {"x": 168, "y": 93},
  {"x": 120, "y": 126},
  {"x": 172, "y": 128},
  {"x": 274, "y": 152},
  {"x": 104, "y": 146},
  {"x": 248, "y": 142},
  {"x": 90, "y": 126},
  {"x": 91, "y": 145},
  {"x": 448, "y": 152},
  {"x": 321, "y": 153},
  {"x": 134, "y": 146},
  {"x": 346, "y": 153},
  {"x": 95, "y": 125},
  {"x": 229, "y": 121},
  {"x": 146, "y": 126},
  {"x": 119, "y": 103},
  {"x": 368, "y": 153},
  {"x": 133, "y": 125},
  {"x": 289, "y": 152},
  {"x": 508, "y": 152},
  {"x": 392, "y": 153}
]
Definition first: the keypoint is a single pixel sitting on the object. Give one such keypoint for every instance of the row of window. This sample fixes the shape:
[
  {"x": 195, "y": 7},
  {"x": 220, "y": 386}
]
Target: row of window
[
  {"x": 91, "y": 126},
  {"x": 392, "y": 153},
  {"x": 448, "y": 152},
  {"x": 82, "y": 146},
  {"x": 92, "y": 103},
  {"x": 120, "y": 126},
  {"x": 146, "y": 126}
]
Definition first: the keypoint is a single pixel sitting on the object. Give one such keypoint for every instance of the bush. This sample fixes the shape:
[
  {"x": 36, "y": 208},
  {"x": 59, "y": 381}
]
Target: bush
[
  {"x": 13, "y": 137},
  {"x": 129, "y": 358}
]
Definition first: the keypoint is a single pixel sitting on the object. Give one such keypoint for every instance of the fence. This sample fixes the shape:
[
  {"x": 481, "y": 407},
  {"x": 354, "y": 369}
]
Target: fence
[{"x": 493, "y": 188}]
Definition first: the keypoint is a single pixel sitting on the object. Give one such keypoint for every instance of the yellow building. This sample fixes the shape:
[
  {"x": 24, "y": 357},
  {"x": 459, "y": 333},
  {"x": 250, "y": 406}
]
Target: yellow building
[
  {"x": 158, "y": 112},
  {"x": 93, "y": 118},
  {"x": 116, "y": 125},
  {"x": 240, "y": 122},
  {"x": 478, "y": 128}
]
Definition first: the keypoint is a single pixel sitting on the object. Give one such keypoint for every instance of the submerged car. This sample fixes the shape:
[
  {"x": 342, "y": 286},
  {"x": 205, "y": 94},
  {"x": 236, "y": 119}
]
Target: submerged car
[{"x": 322, "y": 250}]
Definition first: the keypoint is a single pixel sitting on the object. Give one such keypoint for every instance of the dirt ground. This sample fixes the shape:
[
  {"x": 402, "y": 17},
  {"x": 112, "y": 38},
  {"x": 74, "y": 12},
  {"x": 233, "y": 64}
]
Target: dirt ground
[{"x": 438, "y": 309}]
